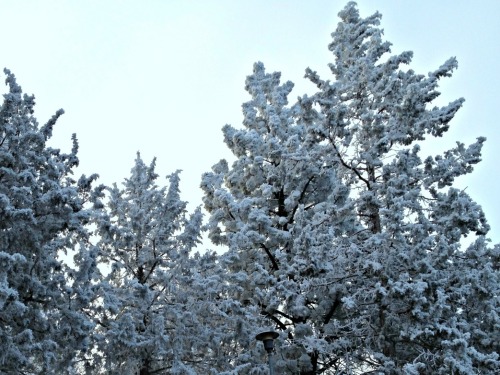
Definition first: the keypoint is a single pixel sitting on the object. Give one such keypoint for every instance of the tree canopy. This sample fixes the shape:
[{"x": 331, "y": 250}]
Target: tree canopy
[
  {"x": 152, "y": 298},
  {"x": 43, "y": 215},
  {"x": 336, "y": 232},
  {"x": 341, "y": 233}
]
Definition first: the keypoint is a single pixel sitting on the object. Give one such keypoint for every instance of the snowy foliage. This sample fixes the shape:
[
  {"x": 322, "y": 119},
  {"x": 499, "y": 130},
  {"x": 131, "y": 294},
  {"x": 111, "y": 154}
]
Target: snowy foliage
[
  {"x": 42, "y": 216},
  {"x": 341, "y": 234},
  {"x": 157, "y": 306}
]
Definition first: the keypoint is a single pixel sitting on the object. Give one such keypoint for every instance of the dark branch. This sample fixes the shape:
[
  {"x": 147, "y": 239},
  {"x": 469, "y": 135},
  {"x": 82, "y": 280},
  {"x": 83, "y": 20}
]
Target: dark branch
[{"x": 271, "y": 258}]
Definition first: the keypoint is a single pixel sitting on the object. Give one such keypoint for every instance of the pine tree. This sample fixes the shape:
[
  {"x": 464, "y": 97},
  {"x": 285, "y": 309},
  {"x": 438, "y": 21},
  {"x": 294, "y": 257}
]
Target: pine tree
[
  {"x": 342, "y": 235},
  {"x": 42, "y": 217},
  {"x": 155, "y": 310}
]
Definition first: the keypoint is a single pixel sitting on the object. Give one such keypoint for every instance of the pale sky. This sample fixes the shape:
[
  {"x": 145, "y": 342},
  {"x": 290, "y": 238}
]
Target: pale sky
[{"x": 163, "y": 77}]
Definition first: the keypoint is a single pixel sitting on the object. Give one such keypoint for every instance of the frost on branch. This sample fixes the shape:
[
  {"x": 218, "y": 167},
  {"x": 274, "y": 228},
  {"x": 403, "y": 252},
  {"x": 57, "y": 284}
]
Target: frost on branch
[
  {"x": 42, "y": 216},
  {"x": 159, "y": 306},
  {"x": 341, "y": 234}
]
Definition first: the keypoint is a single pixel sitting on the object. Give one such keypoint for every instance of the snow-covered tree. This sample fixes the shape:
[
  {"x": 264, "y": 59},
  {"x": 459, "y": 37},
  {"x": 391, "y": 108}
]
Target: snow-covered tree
[
  {"x": 158, "y": 307},
  {"x": 259, "y": 206},
  {"x": 342, "y": 235},
  {"x": 42, "y": 217}
]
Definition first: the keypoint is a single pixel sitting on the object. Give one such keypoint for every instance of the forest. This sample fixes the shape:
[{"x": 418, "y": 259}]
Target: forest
[{"x": 337, "y": 233}]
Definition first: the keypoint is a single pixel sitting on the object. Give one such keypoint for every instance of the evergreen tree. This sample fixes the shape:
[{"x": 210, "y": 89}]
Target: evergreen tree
[
  {"x": 155, "y": 308},
  {"x": 42, "y": 217},
  {"x": 342, "y": 235}
]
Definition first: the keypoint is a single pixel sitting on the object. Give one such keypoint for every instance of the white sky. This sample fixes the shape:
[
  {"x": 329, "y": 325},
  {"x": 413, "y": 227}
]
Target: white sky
[{"x": 163, "y": 77}]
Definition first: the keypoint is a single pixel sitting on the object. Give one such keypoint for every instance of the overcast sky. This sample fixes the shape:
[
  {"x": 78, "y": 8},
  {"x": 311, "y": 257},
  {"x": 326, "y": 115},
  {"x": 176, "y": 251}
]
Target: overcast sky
[{"x": 163, "y": 77}]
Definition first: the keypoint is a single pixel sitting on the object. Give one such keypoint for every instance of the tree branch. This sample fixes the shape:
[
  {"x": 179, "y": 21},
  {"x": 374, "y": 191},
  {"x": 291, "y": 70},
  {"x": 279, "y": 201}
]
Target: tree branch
[
  {"x": 271, "y": 257},
  {"x": 342, "y": 161}
]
